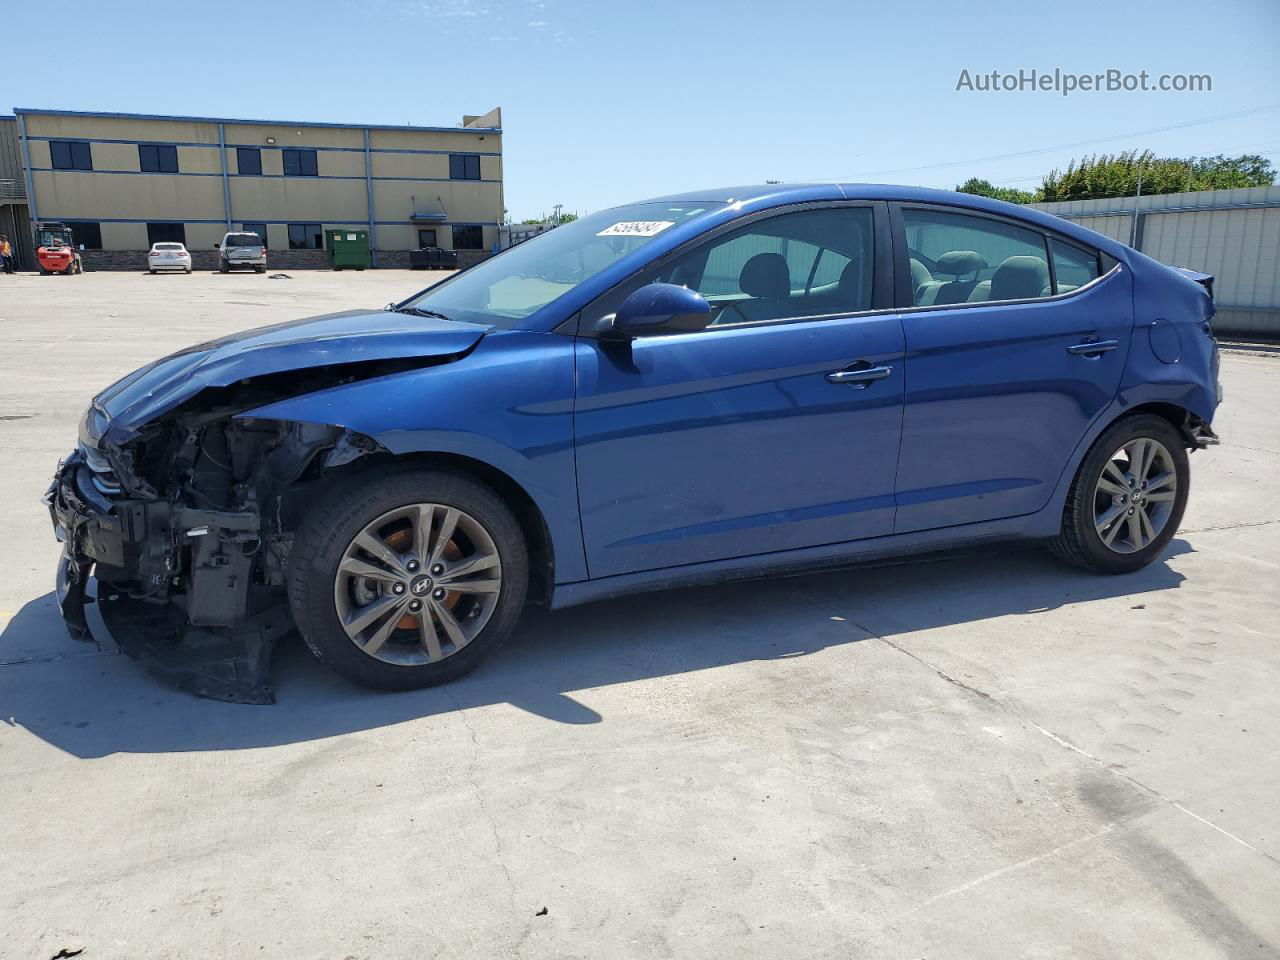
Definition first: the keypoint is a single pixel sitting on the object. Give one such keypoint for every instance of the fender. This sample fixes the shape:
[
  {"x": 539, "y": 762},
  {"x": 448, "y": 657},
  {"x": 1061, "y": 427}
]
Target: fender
[{"x": 470, "y": 409}]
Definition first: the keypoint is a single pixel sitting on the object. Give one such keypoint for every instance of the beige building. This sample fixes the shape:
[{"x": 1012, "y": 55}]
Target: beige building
[{"x": 125, "y": 181}]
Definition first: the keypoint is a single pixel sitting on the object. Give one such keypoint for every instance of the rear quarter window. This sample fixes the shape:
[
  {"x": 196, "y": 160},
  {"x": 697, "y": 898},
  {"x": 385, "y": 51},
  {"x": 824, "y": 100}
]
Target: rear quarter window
[{"x": 1073, "y": 267}]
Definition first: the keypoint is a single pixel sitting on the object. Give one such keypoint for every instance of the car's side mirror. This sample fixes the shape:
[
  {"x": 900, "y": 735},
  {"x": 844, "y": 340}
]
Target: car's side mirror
[
  {"x": 660, "y": 308},
  {"x": 217, "y": 246}
]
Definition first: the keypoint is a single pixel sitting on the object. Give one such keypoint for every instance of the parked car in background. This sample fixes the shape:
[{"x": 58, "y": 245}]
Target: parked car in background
[
  {"x": 732, "y": 383},
  {"x": 168, "y": 256},
  {"x": 238, "y": 250}
]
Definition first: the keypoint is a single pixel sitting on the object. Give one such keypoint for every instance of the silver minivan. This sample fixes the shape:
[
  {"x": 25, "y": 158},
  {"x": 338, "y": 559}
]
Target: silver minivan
[{"x": 241, "y": 250}]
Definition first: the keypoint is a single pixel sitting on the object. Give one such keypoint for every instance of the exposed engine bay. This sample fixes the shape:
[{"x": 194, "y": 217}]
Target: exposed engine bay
[{"x": 186, "y": 527}]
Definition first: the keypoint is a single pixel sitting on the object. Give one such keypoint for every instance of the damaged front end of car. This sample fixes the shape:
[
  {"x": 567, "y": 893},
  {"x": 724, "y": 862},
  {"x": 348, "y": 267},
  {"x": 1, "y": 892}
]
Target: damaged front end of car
[
  {"x": 186, "y": 532},
  {"x": 180, "y": 503}
]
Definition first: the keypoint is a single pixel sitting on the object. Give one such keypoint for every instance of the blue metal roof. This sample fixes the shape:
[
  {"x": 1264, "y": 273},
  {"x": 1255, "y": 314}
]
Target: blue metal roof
[{"x": 32, "y": 111}]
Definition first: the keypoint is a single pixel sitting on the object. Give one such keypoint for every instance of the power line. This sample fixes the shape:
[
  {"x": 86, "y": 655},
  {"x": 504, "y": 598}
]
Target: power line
[{"x": 1062, "y": 146}]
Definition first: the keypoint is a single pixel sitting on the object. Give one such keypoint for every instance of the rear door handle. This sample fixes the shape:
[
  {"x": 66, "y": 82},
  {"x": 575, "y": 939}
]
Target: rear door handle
[
  {"x": 1091, "y": 348},
  {"x": 860, "y": 378}
]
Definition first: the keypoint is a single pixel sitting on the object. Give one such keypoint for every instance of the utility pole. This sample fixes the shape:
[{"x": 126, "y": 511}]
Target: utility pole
[{"x": 1133, "y": 232}]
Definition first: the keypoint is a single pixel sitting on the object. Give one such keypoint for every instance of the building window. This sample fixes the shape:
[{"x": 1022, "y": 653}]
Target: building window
[
  {"x": 85, "y": 234},
  {"x": 69, "y": 155},
  {"x": 427, "y": 238},
  {"x": 248, "y": 160},
  {"x": 464, "y": 167},
  {"x": 157, "y": 158},
  {"x": 468, "y": 237},
  {"x": 305, "y": 236},
  {"x": 299, "y": 163},
  {"x": 166, "y": 233},
  {"x": 259, "y": 228}
]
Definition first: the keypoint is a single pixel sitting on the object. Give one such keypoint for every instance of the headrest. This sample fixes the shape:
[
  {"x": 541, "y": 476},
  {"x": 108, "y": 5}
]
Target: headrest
[
  {"x": 766, "y": 276},
  {"x": 920, "y": 274},
  {"x": 1019, "y": 278},
  {"x": 957, "y": 262},
  {"x": 850, "y": 276}
]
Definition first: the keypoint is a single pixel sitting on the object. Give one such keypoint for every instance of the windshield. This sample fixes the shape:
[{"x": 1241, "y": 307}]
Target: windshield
[
  {"x": 243, "y": 240},
  {"x": 510, "y": 287}
]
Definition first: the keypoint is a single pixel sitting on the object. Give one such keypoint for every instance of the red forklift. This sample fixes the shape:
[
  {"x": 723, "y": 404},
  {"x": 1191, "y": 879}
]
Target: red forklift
[{"x": 54, "y": 250}]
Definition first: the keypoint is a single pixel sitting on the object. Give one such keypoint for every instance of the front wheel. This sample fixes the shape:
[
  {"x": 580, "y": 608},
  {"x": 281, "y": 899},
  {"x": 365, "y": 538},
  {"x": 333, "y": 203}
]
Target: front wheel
[
  {"x": 407, "y": 578},
  {"x": 1127, "y": 498}
]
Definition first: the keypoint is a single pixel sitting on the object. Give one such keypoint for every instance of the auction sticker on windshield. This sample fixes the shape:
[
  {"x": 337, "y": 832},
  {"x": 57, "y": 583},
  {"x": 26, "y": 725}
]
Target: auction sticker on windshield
[{"x": 636, "y": 228}]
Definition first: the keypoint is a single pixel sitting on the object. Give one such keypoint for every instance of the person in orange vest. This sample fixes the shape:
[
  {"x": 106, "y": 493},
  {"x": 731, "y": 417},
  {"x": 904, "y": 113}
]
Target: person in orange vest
[{"x": 6, "y": 252}]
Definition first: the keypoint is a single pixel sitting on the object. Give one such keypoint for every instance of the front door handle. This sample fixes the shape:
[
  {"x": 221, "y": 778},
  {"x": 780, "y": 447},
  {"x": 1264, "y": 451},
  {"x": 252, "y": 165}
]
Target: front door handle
[
  {"x": 860, "y": 378},
  {"x": 1092, "y": 348}
]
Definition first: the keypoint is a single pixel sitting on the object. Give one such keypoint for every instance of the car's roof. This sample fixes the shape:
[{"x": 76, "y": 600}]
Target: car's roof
[
  {"x": 836, "y": 191},
  {"x": 763, "y": 195}
]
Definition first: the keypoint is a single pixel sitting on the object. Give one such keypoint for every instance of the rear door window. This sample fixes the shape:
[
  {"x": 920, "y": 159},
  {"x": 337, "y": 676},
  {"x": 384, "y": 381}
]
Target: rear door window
[{"x": 957, "y": 258}]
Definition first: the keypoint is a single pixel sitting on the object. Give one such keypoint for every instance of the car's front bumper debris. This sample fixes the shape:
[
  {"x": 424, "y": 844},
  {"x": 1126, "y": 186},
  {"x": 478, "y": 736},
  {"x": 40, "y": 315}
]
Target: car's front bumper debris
[{"x": 215, "y": 639}]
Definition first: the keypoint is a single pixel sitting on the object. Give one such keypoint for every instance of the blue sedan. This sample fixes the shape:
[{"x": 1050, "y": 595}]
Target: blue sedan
[{"x": 728, "y": 383}]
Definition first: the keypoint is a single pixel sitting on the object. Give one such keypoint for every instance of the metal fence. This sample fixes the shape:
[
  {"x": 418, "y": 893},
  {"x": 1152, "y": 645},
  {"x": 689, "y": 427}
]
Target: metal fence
[{"x": 1232, "y": 234}]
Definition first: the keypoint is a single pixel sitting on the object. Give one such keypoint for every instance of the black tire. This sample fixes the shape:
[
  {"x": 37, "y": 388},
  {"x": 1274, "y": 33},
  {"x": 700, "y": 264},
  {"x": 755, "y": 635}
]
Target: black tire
[
  {"x": 259, "y": 269},
  {"x": 222, "y": 267},
  {"x": 346, "y": 509},
  {"x": 152, "y": 272},
  {"x": 1079, "y": 543}
]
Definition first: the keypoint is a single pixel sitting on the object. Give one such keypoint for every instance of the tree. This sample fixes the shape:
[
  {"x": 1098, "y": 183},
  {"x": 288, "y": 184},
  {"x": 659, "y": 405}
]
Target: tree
[
  {"x": 564, "y": 218},
  {"x": 1116, "y": 175},
  {"x": 985, "y": 188}
]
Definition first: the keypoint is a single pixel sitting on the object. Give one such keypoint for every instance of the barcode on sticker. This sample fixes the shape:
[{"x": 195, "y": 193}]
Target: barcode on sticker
[{"x": 636, "y": 228}]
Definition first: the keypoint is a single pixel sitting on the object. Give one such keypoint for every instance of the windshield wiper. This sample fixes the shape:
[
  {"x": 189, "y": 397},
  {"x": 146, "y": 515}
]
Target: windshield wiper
[{"x": 421, "y": 312}]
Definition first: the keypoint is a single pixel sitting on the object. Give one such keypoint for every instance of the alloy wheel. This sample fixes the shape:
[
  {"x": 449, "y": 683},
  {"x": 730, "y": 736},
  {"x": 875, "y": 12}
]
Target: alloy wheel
[
  {"x": 417, "y": 584},
  {"x": 1135, "y": 495}
]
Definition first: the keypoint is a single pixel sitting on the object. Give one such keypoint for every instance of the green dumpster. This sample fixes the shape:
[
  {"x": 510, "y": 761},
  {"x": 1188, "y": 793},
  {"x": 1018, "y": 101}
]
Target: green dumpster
[{"x": 348, "y": 249}]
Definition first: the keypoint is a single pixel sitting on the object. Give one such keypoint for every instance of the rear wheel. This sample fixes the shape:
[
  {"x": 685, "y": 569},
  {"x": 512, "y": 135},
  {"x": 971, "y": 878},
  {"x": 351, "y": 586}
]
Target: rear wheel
[
  {"x": 407, "y": 578},
  {"x": 1127, "y": 498}
]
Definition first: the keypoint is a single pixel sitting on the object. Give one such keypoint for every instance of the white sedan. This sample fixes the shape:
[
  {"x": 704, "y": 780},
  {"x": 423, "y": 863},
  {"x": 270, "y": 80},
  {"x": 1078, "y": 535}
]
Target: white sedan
[{"x": 168, "y": 256}]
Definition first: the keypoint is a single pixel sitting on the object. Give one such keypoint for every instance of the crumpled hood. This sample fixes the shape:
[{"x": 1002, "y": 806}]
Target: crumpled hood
[{"x": 337, "y": 338}]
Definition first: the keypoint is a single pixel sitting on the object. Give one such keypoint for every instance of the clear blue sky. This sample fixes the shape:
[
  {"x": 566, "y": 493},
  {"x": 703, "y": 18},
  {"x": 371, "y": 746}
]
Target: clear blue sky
[{"x": 610, "y": 101}]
